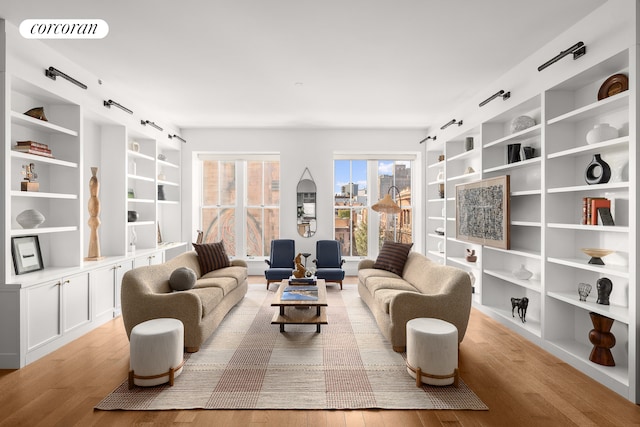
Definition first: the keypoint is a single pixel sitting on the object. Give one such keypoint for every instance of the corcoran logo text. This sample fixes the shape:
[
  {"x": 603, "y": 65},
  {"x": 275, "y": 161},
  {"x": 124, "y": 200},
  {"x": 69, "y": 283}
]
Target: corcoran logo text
[{"x": 64, "y": 28}]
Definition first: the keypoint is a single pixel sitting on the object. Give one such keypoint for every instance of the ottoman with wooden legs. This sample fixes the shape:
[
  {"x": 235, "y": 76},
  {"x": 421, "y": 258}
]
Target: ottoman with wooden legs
[
  {"x": 432, "y": 352},
  {"x": 156, "y": 352}
]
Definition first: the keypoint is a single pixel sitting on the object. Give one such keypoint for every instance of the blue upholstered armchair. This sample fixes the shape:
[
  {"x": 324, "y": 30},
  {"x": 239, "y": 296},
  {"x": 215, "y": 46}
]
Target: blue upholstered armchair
[
  {"x": 280, "y": 261},
  {"x": 329, "y": 261}
]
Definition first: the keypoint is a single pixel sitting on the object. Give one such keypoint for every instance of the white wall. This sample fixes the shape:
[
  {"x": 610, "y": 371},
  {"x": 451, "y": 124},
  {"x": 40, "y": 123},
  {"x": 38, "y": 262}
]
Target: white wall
[{"x": 300, "y": 148}]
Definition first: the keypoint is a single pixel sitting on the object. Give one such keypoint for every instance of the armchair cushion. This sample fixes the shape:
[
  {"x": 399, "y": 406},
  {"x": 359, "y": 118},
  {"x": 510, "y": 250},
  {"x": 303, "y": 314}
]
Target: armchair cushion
[
  {"x": 211, "y": 256},
  {"x": 392, "y": 257}
]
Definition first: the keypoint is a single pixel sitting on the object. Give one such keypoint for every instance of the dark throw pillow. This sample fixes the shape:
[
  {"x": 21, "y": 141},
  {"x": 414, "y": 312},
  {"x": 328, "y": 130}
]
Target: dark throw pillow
[
  {"x": 392, "y": 257},
  {"x": 211, "y": 256},
  {"x": 182, "y": 279}
]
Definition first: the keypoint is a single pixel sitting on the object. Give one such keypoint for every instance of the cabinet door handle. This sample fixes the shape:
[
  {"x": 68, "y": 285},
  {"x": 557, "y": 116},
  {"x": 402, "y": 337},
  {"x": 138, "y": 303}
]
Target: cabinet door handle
[
  {"x": 66, "y": 281},
  {"x": 59, "y": 283}
]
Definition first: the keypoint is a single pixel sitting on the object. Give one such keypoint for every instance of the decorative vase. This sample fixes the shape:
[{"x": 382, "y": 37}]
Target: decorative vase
[
  {"x": 601, "y": 132},
  {"x": 529, "y": 152},
  {"x": 471, "y": 255},
  {"x": 132, "y": 216},
  {"x": 161, "y": 192},
  {"x": 598, "y": 171},
  {"x": 30, "y": 218},
  {"x": 133, "y": 239},
  {"x": 604, "y": 287},
  {"x": 468, "y": 143},
  {"x": 583, "y": 291},
  {"x": 513, "y": 153},
  {"x": 602, "y": 339},
  {"x": 440, "y": 176},
  {"x": 441, "y": 246},
  {"x": 522, "y": 273},
  {"x": 521, "y": 123}
]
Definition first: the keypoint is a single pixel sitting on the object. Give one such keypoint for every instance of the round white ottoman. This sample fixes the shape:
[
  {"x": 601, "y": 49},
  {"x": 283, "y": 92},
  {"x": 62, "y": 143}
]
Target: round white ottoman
[
  {"x": 432, "y": 351},
  {"x": 156, "y": 354}
]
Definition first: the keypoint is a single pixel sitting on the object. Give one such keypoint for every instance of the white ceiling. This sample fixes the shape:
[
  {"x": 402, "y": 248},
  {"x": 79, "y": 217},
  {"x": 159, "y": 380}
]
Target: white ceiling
[{"x": 293, "y": 63}]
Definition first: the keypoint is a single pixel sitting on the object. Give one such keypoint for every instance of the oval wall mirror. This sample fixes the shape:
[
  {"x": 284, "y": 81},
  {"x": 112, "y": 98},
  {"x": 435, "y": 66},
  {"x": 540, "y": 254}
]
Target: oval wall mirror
[{"x": 306, "y": 205}]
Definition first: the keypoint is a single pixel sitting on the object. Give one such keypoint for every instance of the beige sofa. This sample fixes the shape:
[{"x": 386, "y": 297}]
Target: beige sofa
[
  {"x": 146, "y": 295},
  {"x": 426, "y": 289}
]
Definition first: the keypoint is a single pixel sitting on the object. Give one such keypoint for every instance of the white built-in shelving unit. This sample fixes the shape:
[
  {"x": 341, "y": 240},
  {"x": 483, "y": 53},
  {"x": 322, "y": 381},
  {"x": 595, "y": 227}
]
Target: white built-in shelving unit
[
  {"x": 546, "y": 234},
  {"x": 45, "y": 309}
]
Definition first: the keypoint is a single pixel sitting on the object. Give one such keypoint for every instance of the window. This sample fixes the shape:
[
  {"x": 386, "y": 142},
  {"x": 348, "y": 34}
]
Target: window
[
  {"x": 240, "y": 202},
  {"x": 263, "y": 206},
  {"x": 358, "y": 185}
]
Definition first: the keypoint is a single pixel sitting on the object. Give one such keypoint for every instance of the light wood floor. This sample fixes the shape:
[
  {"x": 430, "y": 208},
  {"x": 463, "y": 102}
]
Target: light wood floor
[{"x": 521, "y": 384}]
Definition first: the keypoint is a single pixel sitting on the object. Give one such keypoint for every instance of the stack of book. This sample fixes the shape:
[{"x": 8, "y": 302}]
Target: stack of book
[
  {"x": 596, "y": 210},
  {"x": 32, "y": 147},
  {"x": 302, "y": 280}
]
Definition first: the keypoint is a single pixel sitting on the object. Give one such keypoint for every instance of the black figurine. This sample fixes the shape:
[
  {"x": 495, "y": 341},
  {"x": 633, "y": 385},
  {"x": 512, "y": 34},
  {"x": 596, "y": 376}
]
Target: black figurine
[
  {"x": 522, "y": 304},
  {"x": 604, "y": 286}
]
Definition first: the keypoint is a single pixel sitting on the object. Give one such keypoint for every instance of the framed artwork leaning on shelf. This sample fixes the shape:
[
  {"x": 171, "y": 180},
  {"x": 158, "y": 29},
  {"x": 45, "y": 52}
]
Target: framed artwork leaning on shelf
[
  {"x": 483, "y": 212},
  {"x": 26, "y": 254}
]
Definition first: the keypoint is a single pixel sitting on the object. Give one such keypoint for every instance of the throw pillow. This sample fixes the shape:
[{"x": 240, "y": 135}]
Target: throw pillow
[
  {"x": 392, "y": 257},
  {"x": 182, "y": 279},
  {"x": 211, "y": 256}
]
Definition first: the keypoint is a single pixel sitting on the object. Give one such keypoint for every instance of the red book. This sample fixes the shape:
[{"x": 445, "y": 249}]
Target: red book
[{"x": 595, "y": 205}]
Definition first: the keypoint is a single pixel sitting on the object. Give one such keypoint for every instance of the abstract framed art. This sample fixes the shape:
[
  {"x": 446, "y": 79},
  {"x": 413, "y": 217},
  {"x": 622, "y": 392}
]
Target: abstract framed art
[
  {"x": 26, "y": 254},
  {"x": 483, "y": 212}
]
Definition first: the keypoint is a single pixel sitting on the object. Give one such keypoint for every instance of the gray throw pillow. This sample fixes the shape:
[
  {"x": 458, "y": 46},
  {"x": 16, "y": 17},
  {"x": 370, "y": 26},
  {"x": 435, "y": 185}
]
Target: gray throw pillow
[{"x": 182, "y": 279}]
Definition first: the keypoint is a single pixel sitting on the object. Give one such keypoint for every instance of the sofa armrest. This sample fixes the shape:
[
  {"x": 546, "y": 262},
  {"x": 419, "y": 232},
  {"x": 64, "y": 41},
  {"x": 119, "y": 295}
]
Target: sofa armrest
[
  {"x": 184, "y": 306},
  {"x": 238, "y": 263},
  {"x": 365, "y": 263},
  {"x": 453, "y": 308}
]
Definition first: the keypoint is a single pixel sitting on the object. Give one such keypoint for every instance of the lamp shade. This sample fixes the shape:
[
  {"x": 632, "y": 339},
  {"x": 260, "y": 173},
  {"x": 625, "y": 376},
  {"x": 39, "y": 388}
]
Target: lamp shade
[{"x": 386, "y": 205}]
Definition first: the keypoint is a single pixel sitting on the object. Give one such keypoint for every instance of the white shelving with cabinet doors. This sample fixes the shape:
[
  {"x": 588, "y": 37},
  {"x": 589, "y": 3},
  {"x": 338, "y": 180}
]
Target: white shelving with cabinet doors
[{"x": 45, "y": 309}]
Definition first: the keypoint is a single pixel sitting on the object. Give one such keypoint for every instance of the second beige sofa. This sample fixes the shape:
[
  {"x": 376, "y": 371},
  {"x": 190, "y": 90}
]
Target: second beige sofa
[{"x": 425, "y": 289}]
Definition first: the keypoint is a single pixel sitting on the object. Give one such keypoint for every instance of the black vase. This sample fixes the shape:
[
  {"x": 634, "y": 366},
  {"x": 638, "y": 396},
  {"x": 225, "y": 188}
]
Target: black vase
[
  {"x": 161, "y": 192},
  {"x": 598, "y": 171},
  {"x": 132, "y": 216},
  {"x": 513, "y": 153},
  {"x": 604, "y": 286}
]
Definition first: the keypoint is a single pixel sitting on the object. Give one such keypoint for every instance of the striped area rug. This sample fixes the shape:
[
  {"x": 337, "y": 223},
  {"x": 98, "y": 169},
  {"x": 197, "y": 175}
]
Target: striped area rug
[{"x": 248, "y": 364}]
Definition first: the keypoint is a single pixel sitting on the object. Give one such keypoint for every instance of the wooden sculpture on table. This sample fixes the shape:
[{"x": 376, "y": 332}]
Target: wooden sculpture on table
[
  {"x": 300, "y": 271},
  {"x": 94, "y": 220}
]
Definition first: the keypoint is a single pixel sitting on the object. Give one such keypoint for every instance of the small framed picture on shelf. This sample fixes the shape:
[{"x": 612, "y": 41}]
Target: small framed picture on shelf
[{"x": 26, "y": 254}]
